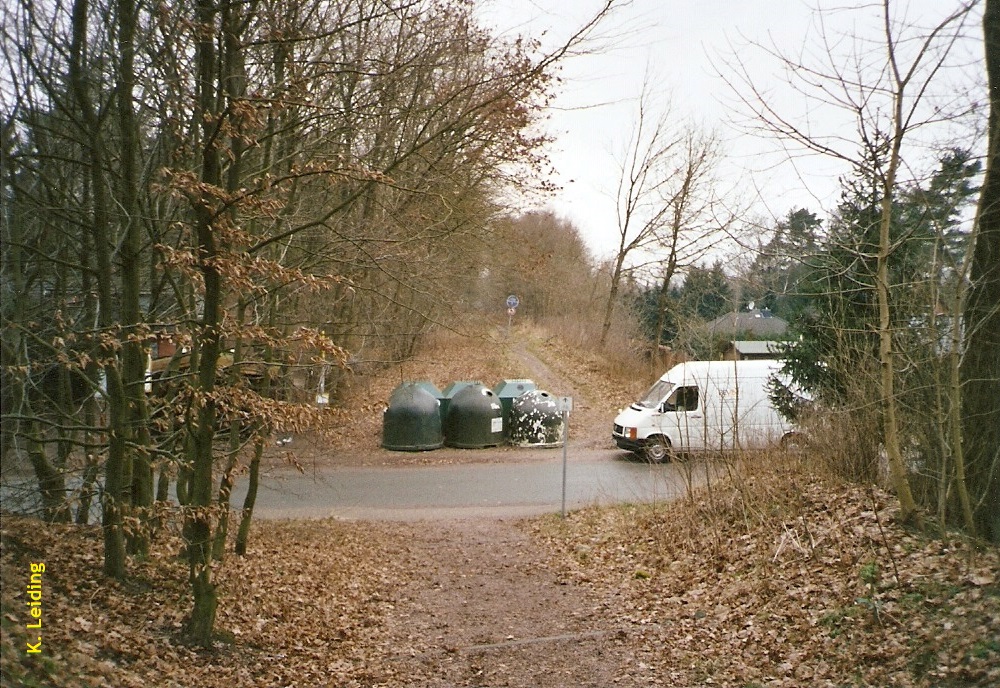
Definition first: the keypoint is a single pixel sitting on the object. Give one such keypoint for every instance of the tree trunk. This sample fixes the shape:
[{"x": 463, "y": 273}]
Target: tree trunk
[
  {"x": 664, "y": 296},
  {"x": 198, "y": 520},
  {"x": 897, "y": 467},
  {"x": 13, "y": 352},
  {"x": 253, "y": 480},
  {"x": 616, "y": 278},
  {"x": 887, "y": 357},
  {"x": 980, "y": 370},
  {"x": 133, "y": 357},
  {"x": 116, "y": 468},
  {"x": 235, "y": 87},
  {"x": 90, "y": 474},
  {"x": 955, "y": 425},
  {"x": 51, "y": 482}
]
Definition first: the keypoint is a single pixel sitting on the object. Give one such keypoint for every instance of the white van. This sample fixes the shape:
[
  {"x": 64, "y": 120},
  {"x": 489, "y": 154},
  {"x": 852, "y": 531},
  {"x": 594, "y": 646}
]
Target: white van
[{"x": 704, "y": 405}]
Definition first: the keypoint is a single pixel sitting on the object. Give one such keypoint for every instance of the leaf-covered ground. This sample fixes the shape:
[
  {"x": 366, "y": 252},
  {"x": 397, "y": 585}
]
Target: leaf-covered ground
[
  {"x": 805, "y": 583},
  {"x": 775, "y": 577},
  {"x": 303, "y": 608},
  {"x": 787, "y": 580}
]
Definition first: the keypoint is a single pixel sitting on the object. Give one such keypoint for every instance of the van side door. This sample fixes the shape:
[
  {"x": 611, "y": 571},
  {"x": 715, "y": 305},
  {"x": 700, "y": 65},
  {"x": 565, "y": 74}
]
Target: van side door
[{"x": 683, "y": 418}]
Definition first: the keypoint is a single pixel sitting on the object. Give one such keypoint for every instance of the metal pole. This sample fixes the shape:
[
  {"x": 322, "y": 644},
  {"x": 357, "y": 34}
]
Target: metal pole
[{"x": 565, "y": 416}]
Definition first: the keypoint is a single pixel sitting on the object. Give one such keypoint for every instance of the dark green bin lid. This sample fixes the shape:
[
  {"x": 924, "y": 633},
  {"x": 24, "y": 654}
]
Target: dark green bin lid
[{"x": 449, "y": 393}]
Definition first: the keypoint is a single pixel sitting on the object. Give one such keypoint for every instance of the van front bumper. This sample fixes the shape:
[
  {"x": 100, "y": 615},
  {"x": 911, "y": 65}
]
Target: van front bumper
[
  {"x": 625, "y": 442},
  {"x": 630, "y": 445}
]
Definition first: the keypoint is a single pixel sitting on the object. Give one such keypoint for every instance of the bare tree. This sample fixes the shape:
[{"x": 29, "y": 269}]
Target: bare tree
[
  {"x": 282, "y": 181},
  {"x": 697, "y": 218},
  {"x": 887, "y": 88},
  {"x": 665, "y": 199},
  {"x": 101, "y": 224}
]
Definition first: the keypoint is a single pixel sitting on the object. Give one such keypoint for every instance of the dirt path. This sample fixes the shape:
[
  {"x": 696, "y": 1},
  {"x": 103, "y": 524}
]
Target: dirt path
[
  {"x": 482, "y": 609},
  {"x": 480, "y": 605},
  {"x": 590, "y": 422},
  {"x": 545, "y": 376}
]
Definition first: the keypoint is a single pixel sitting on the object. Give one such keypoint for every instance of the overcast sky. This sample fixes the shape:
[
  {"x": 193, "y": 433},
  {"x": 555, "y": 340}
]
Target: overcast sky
[{"x": 684, "y": 45}]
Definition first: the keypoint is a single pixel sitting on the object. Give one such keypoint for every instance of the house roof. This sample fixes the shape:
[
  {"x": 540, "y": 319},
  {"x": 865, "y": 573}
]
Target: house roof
[{"x": 760, "y": 323}]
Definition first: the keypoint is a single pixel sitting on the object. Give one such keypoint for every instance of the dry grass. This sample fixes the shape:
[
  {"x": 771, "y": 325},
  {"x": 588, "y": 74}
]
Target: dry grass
[
  {"x": 624, "y": 356},
  {"x": 599, "y": 375},
  {"x": 442, "y": 357}
]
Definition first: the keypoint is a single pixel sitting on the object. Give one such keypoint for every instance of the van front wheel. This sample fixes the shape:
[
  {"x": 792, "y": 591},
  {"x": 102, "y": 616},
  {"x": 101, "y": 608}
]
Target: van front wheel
[{"x": 657, "y": 449}]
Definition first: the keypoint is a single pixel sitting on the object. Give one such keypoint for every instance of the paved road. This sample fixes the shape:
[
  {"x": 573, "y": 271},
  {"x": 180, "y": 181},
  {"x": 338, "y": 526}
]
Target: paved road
[
  {"x": 528, "y": 483},
  {"x": 463, "y": 491}
]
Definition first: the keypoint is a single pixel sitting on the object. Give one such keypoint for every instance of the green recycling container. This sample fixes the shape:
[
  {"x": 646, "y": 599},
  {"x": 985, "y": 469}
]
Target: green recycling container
[
  {"x": 474, "y": 419},
  {"x": 507, "y": 391},
  {"x": 412, "y": 422},
  {"x": 449, "y": 393}
]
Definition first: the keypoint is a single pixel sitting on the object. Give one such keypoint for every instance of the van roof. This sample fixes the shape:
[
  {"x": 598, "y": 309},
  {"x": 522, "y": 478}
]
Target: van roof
[{"x": 705, "y": 369}]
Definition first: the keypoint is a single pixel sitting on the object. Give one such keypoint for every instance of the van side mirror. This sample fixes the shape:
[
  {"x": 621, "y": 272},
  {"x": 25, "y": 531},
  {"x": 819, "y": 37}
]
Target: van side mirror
[{"x": 667, "y": 407}]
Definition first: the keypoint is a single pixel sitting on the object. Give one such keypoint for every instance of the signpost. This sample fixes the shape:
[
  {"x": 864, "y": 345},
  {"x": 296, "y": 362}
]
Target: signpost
[
  {"x": 322, "y": 398},
  {"x": 512, "y": 303},
  {"x": 565, "y": 405}
]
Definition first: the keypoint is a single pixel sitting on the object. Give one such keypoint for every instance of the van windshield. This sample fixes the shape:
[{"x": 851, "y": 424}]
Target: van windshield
[{"x": 655, "y": 395}]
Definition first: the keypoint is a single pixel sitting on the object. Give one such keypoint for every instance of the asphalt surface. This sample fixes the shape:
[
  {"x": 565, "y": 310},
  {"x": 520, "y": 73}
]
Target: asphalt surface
[
  {"x": 519, "y": 488},
  {"x": 513, "y": 484}
]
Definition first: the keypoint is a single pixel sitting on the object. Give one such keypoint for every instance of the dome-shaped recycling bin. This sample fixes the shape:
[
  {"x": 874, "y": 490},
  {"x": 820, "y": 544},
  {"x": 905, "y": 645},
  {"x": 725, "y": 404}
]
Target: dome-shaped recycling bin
[
  {"x": 413, "y": 420},
  {"x": 474, "y": 419},
  {"x": 507, "y": 391},
  {"x": 535, "y": 420},
  {"x": 449, "y": 393}
]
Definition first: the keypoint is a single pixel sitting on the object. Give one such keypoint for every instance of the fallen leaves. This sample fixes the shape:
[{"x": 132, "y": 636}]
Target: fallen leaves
[
  {"x": 300, "y": 610},
  {"x": 827, "y": 597},
  {"x": 780, "y": 579},
  {"x": 691, "y": 593}
]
